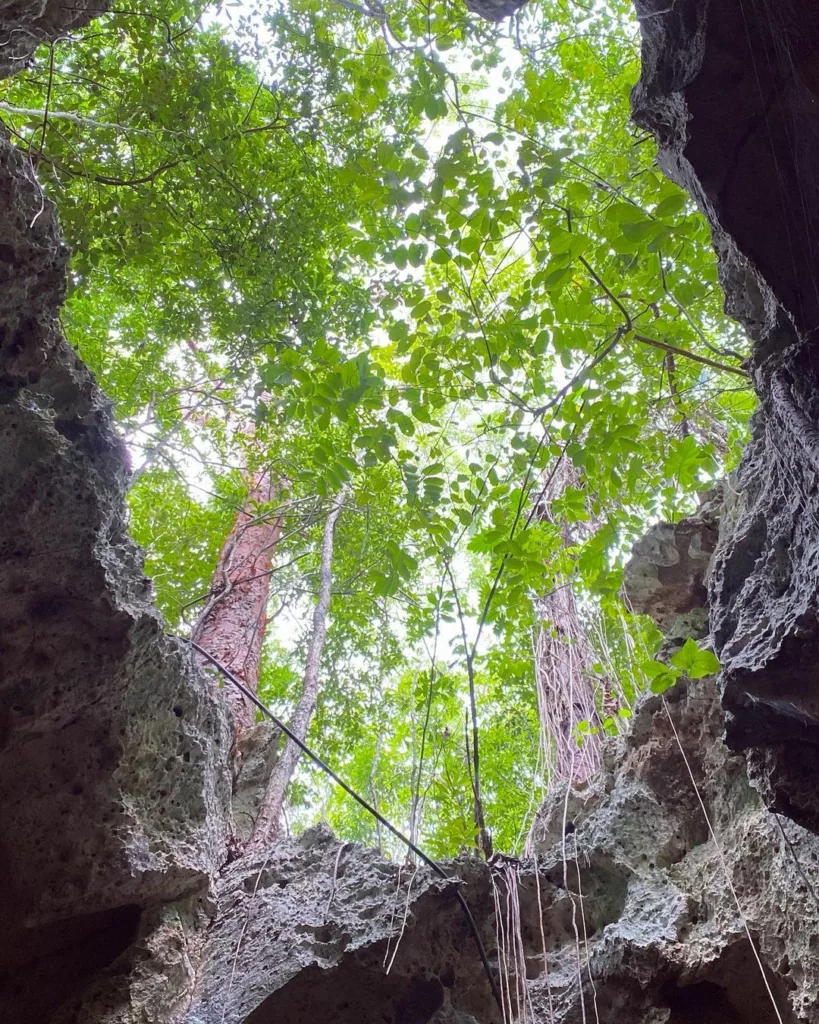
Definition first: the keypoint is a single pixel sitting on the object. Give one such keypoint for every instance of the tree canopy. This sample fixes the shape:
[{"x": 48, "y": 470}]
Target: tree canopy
[{"x": 397, "y": 248}]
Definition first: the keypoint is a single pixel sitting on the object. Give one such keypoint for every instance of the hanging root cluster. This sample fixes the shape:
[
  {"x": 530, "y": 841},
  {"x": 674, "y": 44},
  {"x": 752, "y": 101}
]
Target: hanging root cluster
[
  {"x": 515, "y": 1002},
  {"x": 565, "y": 691},
  {"x": 563, "y": 654}
]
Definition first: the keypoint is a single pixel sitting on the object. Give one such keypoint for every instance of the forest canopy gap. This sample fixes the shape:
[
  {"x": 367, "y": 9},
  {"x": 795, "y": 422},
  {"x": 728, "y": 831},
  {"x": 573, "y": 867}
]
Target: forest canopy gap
[{"x": 425, "y": 260}]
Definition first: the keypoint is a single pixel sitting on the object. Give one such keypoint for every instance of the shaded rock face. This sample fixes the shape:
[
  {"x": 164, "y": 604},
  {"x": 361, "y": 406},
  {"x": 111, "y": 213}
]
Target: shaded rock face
[
  {"x": 731, "y": 92},
  {"x": 113, "y": 788},
  {"x": 729, "y": 89},
  {"x": 666, "y": 576},
  {"x": 669, "y": 941},
  {"x": 318, "y": 930},
  {"x": 632, "y": 909},
  {"x": 320, "y": 921},
  {"x": 25, "y": 24}
]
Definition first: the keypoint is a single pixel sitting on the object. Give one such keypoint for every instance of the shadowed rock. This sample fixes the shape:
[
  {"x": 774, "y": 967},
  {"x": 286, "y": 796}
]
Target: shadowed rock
[
  {"x": 113, "y": 788},
  {"x": 731, "y": 93}
]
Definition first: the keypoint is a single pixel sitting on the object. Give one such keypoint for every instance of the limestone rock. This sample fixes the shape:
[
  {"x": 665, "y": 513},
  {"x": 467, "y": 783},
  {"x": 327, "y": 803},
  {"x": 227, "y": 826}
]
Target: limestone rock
[
  {"x": 114, "y": 792},
  {"x": 316, "y": 930},
  {"x": 25, "y": 24},
  {"x": 664, "y": 931},
  {"x": 110, "y": 744},
  {"x": 641, "y": 909},
  {"x": 666, "y": 575},
  {"x": 306, "y": 934},
  {"x": 731, "y": 94}
]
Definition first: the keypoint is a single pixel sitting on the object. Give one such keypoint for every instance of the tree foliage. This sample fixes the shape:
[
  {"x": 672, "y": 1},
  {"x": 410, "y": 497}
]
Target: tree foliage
[{"x": 394, "y": 248}]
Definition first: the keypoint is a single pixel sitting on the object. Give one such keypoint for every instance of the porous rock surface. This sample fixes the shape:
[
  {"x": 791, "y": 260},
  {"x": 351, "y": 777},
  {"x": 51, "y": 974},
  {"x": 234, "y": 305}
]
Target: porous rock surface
[
  {"x": 314, "y": 930},
  {"x": 317, "y": 923},
  {"x": 668, "y": 569},
  {"x": 730, "y": 91},
  {"x": 634, "y": 867},
  {"x": 25, "y": 24},
  {"x": 113, "y": 789},
  {"x": 642, "y": 911}
]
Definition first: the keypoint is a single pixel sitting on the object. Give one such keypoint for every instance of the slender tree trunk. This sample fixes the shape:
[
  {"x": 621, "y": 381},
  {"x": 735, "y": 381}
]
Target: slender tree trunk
[
  {"x": 267, "y": 823},
  {"x": 483, "y": 839},
  {"x": 232, "y": 626},
  {"x": 373, "y": 790}
]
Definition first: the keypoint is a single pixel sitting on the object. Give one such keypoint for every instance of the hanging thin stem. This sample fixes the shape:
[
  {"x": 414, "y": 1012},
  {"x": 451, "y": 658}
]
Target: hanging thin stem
[{"x": 484, "y": 840}]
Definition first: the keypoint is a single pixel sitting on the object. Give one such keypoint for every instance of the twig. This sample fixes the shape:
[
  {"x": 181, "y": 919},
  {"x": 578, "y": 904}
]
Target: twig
[
  {"x": 628, "y": 322},
  {"x": 667, "y": 347},
  {"x": 671, "y": 370},
  {"x": 693, "y": 323}
]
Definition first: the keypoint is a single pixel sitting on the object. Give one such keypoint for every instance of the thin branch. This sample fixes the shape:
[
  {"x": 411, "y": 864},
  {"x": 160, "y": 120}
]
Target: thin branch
[
  {"x": 581, "y": 376},
  {"x": 626, "y": 315},
  {"x": 267, "y": 823},
  {"x": 664, "y": 345},
  {"x": 667, "y": 347},
  {"x": 66, "y": 115},
  {"x": 693, "y": 323},
  {"x": 415, "y": 780}
]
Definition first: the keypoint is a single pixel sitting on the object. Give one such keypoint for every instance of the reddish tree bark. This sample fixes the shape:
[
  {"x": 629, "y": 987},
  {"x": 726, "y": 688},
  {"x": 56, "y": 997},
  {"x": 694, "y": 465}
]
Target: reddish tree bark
[{"x": 232, "y": 626}]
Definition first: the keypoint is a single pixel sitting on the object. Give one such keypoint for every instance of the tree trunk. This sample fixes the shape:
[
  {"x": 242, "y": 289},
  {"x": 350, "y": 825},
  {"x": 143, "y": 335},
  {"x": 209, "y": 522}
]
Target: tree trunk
[
  {"x": 563, "y": 660},
  {"x": 232, "y": 626},
  {"x": 267, "y": 823}
]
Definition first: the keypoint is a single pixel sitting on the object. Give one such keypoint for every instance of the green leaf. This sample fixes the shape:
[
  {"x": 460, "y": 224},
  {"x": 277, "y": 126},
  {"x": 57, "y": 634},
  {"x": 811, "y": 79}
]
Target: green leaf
[
  {"x": 421, "y": 310},
  {"x": 660, "y": 677},
  {"x": 555, "y": 279},
  {"x": 671, "y": 206},
  {"x": 625, "y": 213},
  {"x": 695, "y": 661}
]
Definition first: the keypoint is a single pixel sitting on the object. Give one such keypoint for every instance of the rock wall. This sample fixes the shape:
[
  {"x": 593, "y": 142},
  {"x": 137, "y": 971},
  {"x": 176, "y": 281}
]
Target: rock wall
[
  {"x": 642, "y": 912},
  {"x": 730, "y": 91},
  {"x": 25, "y": 24},
  {"x": 115, "y": 789}
]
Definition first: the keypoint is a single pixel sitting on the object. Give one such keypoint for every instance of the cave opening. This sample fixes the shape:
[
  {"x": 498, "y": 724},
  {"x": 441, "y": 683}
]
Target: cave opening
[{"x": 733, "y": 993}]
